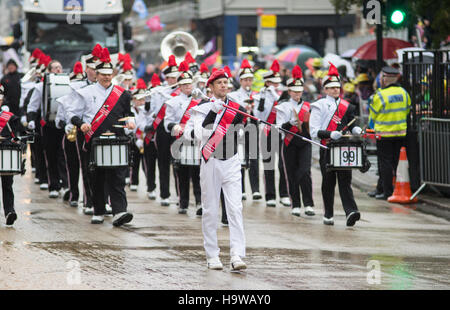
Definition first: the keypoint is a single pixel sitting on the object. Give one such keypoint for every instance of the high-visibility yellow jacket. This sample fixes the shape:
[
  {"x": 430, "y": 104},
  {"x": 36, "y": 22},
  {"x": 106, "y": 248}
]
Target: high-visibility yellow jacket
[
  {"x": 258, "y": 80},
  {"x": 389, "y": 111}
]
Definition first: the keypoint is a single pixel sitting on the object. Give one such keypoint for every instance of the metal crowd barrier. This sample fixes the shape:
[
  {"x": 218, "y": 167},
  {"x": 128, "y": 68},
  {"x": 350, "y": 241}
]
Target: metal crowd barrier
[{"x": 434, "y": 141}]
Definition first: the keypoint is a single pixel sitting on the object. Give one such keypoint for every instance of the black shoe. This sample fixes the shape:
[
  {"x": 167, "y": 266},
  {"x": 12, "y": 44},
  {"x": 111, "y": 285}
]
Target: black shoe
[
  {"x": 66, "y": 195},
  {"x": 11, "y": 218},
  {"x": 182, "y": 211},
  {"x": 352, "y": 218},
  {"x": 381, "y": 197},
  {"x": 224, "y": 222},
  {"x": 119, "y": 220},
  {"x": 373, "y": 193},
  {"x": 199, "y": 212}
]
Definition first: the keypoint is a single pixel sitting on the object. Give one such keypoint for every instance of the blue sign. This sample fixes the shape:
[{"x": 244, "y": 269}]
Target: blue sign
[{"x": 73, "y": 5}]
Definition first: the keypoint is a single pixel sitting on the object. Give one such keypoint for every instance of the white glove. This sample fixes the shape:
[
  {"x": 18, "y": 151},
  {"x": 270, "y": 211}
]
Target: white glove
[
  {"x": 140, "y": 143},
  {"x": 68, "y": 128},
  {"x": 356, "y": 131},
  {"x": 5, "y": 108},
  {"x": 293, "y": 122},
  {"x": 31, "y": 125},
  {"x": 128, "y": 131},
  {"x": 336, "y": 135},
  {"x": 217, "y": 106},
  {"x": 23, "y": 120}
]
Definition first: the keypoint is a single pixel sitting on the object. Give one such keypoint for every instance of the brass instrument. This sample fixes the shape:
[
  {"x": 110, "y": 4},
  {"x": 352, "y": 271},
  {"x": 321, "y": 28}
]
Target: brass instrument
[
  {"x": 299, "y": 123},
  {"x": 178, "y": 43},
  {"x": 72, "y": 135}
]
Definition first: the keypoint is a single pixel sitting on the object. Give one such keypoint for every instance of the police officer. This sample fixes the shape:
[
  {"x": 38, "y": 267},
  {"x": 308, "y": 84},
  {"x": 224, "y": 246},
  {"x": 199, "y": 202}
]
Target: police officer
[
  {"x": 389, "y": 111},
  {"x": 329, "y": 116}
]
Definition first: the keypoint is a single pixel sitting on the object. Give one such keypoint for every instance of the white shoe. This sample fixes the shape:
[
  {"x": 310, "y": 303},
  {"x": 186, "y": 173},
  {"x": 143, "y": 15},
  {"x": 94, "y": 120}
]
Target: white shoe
[
  {"x": 122, "y": 218},
  {"x": 88, "y": 210},
  {"x": 244, "y": 196},
  {"x": 127, "y": 181},
  {"x": 257, "y": 196},
  {"x": 295, "y": 211},
  {"x": 108, "y": 209},
  {"x": 214, "y": 263},
  {"x": 165, "y": 202},
  {"x": 309, "y": 211},
  {"x": 43, "y": 186},
  {"x": 33, "y": 170},
  {"x": 285, "y": 201},
  {"x": 97, "y": 219},
  {"x": 236, "y": 263},
  {"x": 151, "y": 195},
  {"x": 271, "y": 203},
  {"x": 36, "y": 181},
  {"x": 74, "y": 203},
  {"x": 53, "y": 194},
  {"x": 133, "y": 188},
  {"x": 328, "y": 221}
]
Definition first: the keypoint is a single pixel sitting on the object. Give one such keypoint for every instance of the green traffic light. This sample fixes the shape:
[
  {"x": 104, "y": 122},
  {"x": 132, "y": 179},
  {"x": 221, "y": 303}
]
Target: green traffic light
[{"x": 397, "y": 17}]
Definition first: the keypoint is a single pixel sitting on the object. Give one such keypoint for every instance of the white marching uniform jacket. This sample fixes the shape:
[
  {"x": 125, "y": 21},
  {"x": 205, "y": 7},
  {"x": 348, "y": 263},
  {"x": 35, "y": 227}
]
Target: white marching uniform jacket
[
  {"x": 176, "y": 107},
  {"x": 270, "y": 97},
  {"x": 285, "y": 112},
  {"x": 321, "y": 113},
  {"x": 240, "y": 96},
  {"x": 67, "y": 100},
  {"x": 36, "y": 99}
]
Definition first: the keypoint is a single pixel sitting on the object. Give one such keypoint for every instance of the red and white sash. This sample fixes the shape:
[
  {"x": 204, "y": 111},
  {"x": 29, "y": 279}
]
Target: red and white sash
[
  {"x": 104, "y": 111},
  {"x": 187, "y": 115},
  {"x": 302, "y": 116},
  {"x": 337, "y": 117},
  {"x": 271, "y": 119},
  {"x": 220, "y": 132},
  {"x": 4, "y": 119}
]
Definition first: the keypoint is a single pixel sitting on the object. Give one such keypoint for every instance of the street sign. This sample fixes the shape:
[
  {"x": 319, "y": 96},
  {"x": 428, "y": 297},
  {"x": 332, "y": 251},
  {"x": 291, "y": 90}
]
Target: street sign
[{"x": 268, "y": 21}]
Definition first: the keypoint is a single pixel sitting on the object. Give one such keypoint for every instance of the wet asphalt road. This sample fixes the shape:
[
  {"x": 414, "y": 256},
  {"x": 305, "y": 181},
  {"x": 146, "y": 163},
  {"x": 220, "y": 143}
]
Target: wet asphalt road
[{"x": 54, "y": 246}]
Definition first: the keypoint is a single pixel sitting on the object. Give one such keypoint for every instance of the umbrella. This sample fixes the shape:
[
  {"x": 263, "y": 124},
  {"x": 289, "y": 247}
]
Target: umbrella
[
  {"x": 348, "y": 53},
  {"x": 427, "y": 57},
  {"x": 368, "y": 51},
  {"x": 339, "y": 61},
  {"x": 296, "y": 54}
]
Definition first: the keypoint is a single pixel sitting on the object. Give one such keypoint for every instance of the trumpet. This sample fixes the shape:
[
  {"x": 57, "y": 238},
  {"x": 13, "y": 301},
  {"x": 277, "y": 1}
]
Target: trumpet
[{"x": 72, "y": 135}]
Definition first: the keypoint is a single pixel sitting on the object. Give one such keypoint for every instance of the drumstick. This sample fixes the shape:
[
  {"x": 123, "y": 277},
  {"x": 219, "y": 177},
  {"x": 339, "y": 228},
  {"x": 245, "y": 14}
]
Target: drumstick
[
  {"x": 348, "y": 125},
  {"x": 120, "y": 126}
]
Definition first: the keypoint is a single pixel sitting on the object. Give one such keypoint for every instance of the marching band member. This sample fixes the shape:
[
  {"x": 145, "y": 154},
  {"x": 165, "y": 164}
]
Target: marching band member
[
  {"x": 329, "y": 115},
  {"x": 293, "y": 115},
  {"x": 97, "y": 108},
  {"x": 177, "y": 114},
  {"x": 137, "y": 149},
  {"x": 193, "y": 65},
  {"x": 69, "y": 145},
  {"x": 201, "y": 78},
  {"x": 91, "y": 74},
  {"x": 163, "y": 138},
  {"x": 125, "y": 78},
  {"x": 220, "y": 168},
  {"x": 150, "y": 151},
  {"x": 9, "y": 128},
  {"x": 265, "y": 109},
  {"x": 51, "y": 135},
  {"x": 244, "y": 97}
]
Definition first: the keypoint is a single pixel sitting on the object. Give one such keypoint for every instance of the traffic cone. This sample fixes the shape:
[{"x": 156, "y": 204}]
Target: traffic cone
[{"x": 402, "y": 191}]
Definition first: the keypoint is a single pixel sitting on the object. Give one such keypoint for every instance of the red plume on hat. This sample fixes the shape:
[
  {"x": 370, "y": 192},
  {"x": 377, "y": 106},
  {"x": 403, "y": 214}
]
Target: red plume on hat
[
  {"x": 204, "y": 68},
  {"x": 141, "y": 84},
  {"x": 245, "y": 64},
  {"x": 184, "y": 67},
  {"x": 188, "y": 58},
  {"x": 36, "y": 53},
  {"x": 105, "y": 55},
  {"x": 97, "y": 51},
  {"x": 47, "y": 59},
  {"x": 297, "y": 72},
  {"x": 155, "y": 80},
  {"x": 127, "y": 66},
  {"x": 172, "y": 62},
  {"x": 78, "y": 68},
  {"x": 227, "y": 71},
  {"x": 275, "y": 66},
  {"x": 214, "y": 70},
  {"x": 333, "y": 71},
  {"x": 120, "y": 58}
]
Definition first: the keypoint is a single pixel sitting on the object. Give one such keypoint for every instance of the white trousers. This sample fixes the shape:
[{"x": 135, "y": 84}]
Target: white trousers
[{"x": 214, "y": 176}]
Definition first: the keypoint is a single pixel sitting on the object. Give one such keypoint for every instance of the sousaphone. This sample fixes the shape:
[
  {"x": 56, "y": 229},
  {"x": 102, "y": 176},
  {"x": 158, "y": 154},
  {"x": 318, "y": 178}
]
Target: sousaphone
[{"x": 178, "y": 43}]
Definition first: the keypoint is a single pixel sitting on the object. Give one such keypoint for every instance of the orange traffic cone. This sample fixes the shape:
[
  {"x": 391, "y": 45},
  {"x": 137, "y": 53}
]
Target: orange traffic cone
[{"x": 402, "y": 191}]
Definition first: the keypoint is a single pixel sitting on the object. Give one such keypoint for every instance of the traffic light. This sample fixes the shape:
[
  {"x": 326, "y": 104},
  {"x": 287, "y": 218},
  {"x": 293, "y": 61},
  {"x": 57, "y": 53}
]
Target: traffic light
[{"x": 396, "y": 13}]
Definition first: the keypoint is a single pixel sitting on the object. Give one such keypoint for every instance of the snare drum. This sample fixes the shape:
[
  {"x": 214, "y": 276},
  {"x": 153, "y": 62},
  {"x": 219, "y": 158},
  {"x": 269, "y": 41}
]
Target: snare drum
[
  {"x": 110, "y": 152},
  {"x": 10, "y": 159},
  {"x": 56, "y": 86},
  {"x": 190, "y": 153},
  {"x": 346, "y": 153}
]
